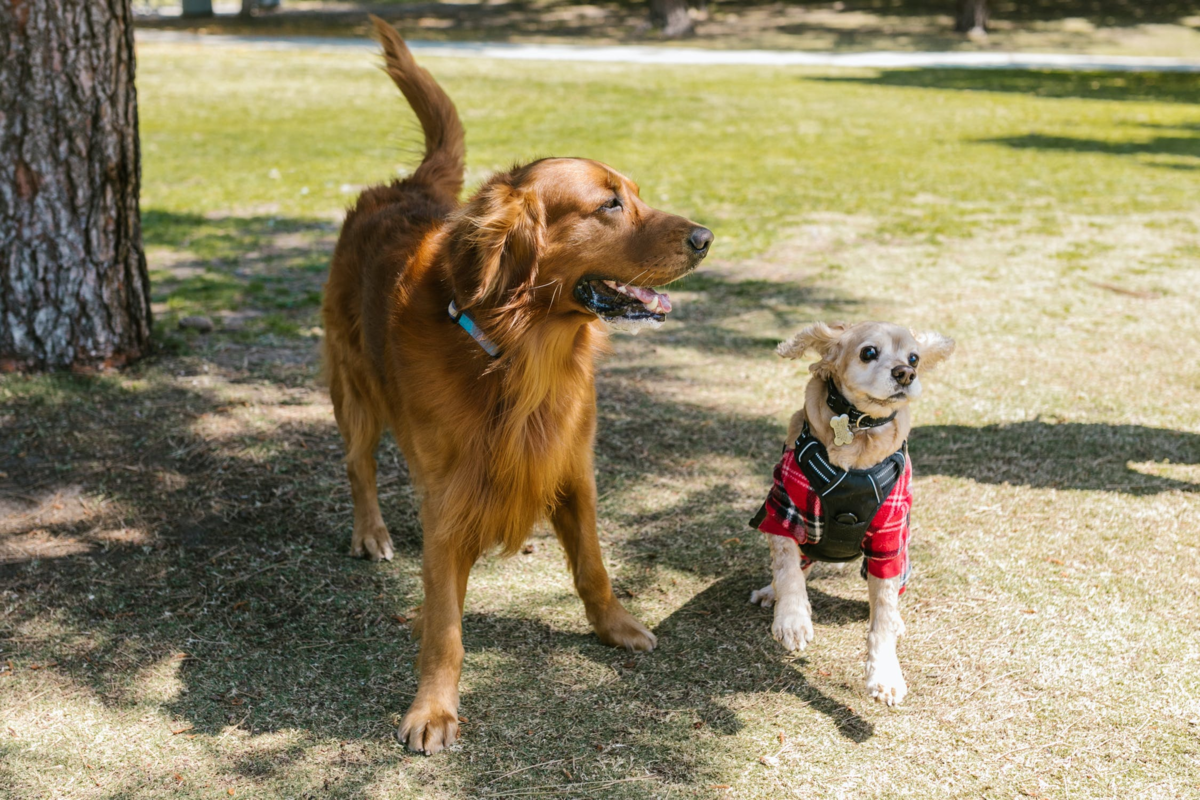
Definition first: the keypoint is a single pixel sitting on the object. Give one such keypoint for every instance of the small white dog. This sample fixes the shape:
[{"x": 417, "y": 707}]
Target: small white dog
[{"x": 843, "y": 487}]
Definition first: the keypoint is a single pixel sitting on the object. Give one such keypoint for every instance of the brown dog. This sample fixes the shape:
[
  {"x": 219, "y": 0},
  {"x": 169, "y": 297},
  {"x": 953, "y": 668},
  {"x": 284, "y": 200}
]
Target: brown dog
[{"x": 536, "y": 263}]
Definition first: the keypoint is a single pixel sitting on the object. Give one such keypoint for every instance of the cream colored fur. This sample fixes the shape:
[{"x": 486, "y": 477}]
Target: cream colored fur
[{"x": 871, "y": 385}]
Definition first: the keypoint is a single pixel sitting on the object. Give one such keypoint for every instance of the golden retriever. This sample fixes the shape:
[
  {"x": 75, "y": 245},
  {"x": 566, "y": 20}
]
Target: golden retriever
[
  {"x": 472, "y": 330},
  {"x": 843, "y": 488}
]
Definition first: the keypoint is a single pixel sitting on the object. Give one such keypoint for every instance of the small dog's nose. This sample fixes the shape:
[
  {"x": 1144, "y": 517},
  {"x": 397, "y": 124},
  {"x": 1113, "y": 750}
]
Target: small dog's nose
[
  {"x": 904, "y": 374},
  {"x": 700, "y": 239}
]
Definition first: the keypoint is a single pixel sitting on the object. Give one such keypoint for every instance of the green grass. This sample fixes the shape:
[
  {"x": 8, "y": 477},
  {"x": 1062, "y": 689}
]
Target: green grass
[{"x": 176, "y": 601}]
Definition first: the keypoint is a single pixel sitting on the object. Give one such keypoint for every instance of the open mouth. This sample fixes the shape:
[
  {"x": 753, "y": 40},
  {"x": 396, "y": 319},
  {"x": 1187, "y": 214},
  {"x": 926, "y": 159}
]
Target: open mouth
[{"x": 614, "y": 301}]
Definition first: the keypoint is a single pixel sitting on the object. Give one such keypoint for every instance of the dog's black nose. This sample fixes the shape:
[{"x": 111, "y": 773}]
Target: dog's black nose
[
  {"x": 700, "y": 239},
  {"x": 904, "y": 374}
]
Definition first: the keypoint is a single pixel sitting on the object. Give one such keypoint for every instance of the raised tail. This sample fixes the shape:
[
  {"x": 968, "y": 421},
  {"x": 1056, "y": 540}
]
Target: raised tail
[{"x": 445, "y": 149}]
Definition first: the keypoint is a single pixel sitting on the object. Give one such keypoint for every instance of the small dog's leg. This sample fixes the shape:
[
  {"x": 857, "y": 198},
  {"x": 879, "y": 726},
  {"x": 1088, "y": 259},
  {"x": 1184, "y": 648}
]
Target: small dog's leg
[
  {"x": 574, "y": 521},
  {"x": 431, "y": 722},
  {"x": 885, "y": 681},
  {"x": 360, "y": 432},
  {"x": 793, "y": 615}
]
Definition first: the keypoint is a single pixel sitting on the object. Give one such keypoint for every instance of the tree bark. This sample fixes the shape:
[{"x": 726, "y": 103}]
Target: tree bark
[
  {"x": 972, "y": 16},
  {"x": 73, "y": 285},
  {"x": 673, "y": 16}
]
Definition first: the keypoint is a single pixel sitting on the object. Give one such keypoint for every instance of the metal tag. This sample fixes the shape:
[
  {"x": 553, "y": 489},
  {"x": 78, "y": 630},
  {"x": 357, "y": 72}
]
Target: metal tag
[{"x": 841, "y": 430}]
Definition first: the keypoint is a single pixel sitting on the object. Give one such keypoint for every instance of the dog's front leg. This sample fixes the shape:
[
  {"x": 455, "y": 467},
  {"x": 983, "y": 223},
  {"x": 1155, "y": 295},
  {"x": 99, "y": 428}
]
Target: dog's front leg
[
  {"x": 793, "y": 615},
  {"x": 574, "y": 521},
  {"x": 431, "y": 723},
  {"x": 885, "y": 681}
]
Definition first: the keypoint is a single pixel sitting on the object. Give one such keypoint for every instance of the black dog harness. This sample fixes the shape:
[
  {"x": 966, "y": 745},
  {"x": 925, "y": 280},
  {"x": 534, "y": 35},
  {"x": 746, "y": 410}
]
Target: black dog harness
[{"x": 829, "y": 510}]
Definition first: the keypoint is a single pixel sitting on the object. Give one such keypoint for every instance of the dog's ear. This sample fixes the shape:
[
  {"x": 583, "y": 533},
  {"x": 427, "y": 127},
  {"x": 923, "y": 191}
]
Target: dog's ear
[
  {"x": 494, "y": 242},
  {"x": 935, "y": 348},
  {"x": 820, "y": 337}
]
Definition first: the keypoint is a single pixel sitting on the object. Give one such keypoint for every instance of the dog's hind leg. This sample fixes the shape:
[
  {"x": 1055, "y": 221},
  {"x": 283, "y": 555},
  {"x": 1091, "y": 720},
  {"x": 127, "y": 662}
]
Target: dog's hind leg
[
  {"x": 574, "y": 521},
  {"x": 360, "y": 431},
  {"x": 792, "y": 626},
  {"x": 885, "y": 681}
]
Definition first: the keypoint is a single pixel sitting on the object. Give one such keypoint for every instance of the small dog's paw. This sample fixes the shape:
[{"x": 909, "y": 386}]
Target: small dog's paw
[
  {"x": 373, "y": 542},
  {"x": 764, "y": 597},
  {"x": 792, "y": 629},
  {"x": 885, "y": 682}
]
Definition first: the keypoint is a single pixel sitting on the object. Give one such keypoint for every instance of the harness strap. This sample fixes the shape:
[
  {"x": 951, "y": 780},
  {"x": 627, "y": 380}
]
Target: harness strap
[{"x": 850, "y": 499}]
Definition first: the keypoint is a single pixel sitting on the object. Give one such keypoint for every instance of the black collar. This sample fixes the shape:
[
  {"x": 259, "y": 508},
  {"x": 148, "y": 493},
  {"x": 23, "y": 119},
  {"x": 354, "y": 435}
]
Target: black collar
[{"x": 858, "y": 420}]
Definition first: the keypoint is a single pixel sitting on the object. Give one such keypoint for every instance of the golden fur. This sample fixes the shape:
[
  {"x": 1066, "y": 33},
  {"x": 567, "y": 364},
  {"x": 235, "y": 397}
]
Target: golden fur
[{"x": 493, "y": 445}]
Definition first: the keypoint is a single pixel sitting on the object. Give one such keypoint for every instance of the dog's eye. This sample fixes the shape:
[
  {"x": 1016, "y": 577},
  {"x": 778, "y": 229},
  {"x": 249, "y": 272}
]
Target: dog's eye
[
  {"x": 913, "y": 359},
  {"x": 868, "y": 353},
  {"x": 612, "y": 205}
]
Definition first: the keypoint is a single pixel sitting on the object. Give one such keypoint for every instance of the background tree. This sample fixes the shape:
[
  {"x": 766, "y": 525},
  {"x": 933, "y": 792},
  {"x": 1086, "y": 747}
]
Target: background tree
[
  {"x": 73, "y": 285},
  {"x": 672, "y": 15},
  {"x": 972, "y": 16}
]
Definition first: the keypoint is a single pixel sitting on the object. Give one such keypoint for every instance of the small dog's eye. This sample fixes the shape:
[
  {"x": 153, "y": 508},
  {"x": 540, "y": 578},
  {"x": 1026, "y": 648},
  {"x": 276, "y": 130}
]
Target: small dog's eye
[
  {"x": 868, "y": 353},
  {"x": 913, "y": 358},
  {"x": 612, "y": 204}
]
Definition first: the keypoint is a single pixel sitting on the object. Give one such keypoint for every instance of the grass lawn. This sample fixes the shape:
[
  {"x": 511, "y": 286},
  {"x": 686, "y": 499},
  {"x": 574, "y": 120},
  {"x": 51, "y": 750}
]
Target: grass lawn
[{"x": 178, "y": 613}]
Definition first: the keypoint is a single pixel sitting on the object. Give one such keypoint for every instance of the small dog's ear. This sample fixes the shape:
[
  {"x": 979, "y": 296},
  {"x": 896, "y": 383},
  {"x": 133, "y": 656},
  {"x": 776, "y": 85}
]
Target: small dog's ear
[
  {"x": 818, "y": 337},
  {"x": 494, "y": 242},
  {"x": 935, "y": 348}
]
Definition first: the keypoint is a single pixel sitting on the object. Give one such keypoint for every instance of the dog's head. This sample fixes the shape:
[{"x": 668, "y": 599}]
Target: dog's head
[
  {"x": 875, "y": 365},
  {"x": 571, "y": 238}
]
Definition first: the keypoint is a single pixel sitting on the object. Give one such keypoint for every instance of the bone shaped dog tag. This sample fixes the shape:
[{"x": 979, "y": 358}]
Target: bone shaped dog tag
[{"x": 841, "y": 430}]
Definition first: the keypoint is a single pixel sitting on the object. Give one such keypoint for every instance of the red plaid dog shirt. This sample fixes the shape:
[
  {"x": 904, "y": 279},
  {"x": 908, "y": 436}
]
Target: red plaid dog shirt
[{"x": 794, "y": 509}]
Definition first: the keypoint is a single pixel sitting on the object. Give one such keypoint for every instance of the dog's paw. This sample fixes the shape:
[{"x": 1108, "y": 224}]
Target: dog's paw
[
  {"x": 885, "y": 682},
  {"x": 428, "y": 728},
  {"x": 764, "y": 597},
  {"x": 792, "y": 628},
  {"x": 372, "y": 542},
  {"x": 619, "y": 628}
]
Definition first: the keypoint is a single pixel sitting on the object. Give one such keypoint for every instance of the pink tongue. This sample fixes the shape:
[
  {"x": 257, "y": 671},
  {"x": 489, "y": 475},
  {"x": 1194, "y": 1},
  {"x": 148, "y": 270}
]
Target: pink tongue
[{"x": 647, "y": 297}]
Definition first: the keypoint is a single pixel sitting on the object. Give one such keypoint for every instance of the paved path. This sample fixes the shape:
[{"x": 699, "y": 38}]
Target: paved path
[{"x": 634, "y": 54}]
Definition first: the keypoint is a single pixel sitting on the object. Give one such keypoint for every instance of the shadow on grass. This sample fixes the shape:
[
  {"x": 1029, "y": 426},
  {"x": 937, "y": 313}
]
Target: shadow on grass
[
  {"x": 710, "y": 649},
  {"x": 1157, "y": 87},
  {"x": 218, "y": 545},
  {"x": 213, "y": 553},
  {"x": 1177, "y": 147},
  {"x": 1089, "y": 457},
  {"x": 238, "y": 269}
]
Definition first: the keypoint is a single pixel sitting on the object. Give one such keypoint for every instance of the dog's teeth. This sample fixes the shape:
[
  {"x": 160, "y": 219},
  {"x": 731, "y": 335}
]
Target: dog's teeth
[{"x": 611, "y": 284}]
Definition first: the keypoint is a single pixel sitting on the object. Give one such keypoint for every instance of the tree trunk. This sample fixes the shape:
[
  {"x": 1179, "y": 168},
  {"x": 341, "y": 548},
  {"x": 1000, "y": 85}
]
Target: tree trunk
[
  {"x": 73, "y": 285},
  {"x": 972, "y": 16},
  {"x": 673, "y": 16}
]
